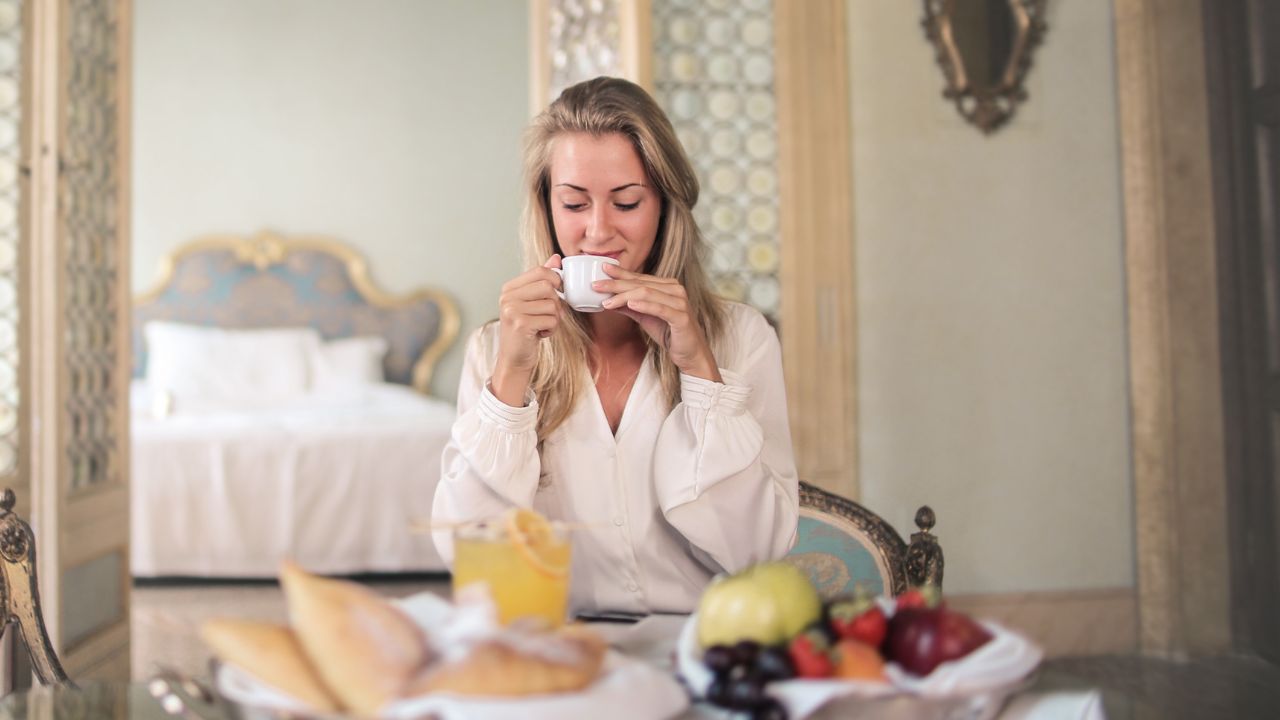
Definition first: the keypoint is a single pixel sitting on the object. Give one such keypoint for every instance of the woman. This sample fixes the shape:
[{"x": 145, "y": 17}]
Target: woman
[{"x": 658, "y": 426}]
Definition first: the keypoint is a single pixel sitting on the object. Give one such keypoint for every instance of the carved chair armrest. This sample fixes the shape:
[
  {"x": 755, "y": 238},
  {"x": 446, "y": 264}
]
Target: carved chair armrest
[
  {"x": 21, "y": 593},
  {"x": 924, "y": 554}
]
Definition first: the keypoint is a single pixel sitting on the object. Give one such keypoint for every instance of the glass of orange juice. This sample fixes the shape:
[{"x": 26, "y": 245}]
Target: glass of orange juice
[{"x": 524, "y": 561}]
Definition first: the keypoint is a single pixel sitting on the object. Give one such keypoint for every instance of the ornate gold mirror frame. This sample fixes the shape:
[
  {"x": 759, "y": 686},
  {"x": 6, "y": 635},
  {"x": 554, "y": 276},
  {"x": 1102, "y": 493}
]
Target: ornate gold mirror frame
[{"x": 990, "y": 106}]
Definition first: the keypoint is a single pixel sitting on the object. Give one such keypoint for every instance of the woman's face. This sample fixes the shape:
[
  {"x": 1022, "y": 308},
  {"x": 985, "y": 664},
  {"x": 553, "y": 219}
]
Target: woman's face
[{"x": 601, "y": 201}]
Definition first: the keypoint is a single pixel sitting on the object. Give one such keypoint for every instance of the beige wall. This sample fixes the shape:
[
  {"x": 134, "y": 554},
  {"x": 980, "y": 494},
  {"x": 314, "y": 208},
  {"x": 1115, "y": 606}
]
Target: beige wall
[
  {"x": 394, "y": 126},
  {"x": 992, "y": 373}
]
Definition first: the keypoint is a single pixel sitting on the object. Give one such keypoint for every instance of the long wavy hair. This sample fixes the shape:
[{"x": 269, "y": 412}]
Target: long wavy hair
[{"x": 598, "y": 107}]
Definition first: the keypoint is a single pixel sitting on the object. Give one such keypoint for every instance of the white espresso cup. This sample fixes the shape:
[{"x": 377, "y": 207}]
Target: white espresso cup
[{"x": 577, "y": 272}]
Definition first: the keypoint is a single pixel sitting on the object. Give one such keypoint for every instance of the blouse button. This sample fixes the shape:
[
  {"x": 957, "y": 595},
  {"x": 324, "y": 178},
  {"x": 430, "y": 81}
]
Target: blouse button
[
  {"x": 632, "y": 587},
  {"x": 617, "y": 521}
]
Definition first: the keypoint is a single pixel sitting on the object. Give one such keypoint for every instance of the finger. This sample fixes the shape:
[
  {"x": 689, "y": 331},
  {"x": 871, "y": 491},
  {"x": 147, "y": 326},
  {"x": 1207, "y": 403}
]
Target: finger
[
  {"x": 541, "y": 289},
  {"x": 534, "y": 324},
  {"x": 539, "y": 307},
  {"x": 648, "y": 294},
  {"x": 639, "y": 281},
  {"x": 640, "y": 318},
  {"x": 514, "y": 313},
  {"x": 663, "y": 312},
  {"x": 553, "y": 261},
  {"x": 617, "y": 271}
]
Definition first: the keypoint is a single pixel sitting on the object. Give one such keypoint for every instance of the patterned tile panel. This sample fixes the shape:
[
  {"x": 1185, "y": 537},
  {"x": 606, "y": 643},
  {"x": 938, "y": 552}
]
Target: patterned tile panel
[
  {"x": 713, "y": 73},
  {"x": 10, "y": 199},
  {"x": 584, "y": 42},
  {"x": 87, "y": 202}
]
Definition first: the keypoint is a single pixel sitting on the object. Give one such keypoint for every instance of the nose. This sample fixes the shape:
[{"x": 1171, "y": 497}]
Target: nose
[{"x": 600, "y": 224}]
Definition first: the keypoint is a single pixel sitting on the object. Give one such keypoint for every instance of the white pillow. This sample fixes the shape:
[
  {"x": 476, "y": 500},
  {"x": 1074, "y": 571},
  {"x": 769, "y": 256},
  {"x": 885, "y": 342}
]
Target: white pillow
[
  {"x": 206, "y": 369},
  {"x": 348, "y": 362}
]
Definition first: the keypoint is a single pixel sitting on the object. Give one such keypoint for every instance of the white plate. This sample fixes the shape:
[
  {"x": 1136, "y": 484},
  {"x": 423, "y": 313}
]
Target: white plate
[{"x": 627, "y": 689}]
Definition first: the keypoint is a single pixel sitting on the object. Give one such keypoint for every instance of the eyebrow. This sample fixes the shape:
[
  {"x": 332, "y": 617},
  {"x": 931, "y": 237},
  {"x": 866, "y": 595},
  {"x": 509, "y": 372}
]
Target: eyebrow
[{"x": 582, "y": 189}]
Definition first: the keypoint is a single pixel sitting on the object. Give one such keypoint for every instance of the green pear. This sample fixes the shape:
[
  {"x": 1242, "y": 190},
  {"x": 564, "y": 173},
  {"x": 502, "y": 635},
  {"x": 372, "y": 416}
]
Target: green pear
[
  {"x": 797, "y": 600},
  {"x": 768, "y": 603}
]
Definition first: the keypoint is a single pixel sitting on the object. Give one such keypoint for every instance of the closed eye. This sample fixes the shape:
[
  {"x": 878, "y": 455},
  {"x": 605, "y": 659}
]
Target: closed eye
[
  {"x": 573, "y": 207},
  {"x": 627, "y": 206}
]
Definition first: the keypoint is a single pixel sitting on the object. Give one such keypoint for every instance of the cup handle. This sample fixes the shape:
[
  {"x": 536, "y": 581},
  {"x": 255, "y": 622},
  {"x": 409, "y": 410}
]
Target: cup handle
[{"x": 559, "y": 272}]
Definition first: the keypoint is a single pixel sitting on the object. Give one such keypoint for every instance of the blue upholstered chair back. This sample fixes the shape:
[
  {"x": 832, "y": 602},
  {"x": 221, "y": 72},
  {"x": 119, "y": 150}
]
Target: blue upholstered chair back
[
  {"x": 842, "y": 545},
  {"x": 270, "y": 281}
]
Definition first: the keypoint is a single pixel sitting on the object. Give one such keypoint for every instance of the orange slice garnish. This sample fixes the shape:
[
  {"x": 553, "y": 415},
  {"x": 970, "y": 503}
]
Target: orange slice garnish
[{"x": 536, "y": 541}]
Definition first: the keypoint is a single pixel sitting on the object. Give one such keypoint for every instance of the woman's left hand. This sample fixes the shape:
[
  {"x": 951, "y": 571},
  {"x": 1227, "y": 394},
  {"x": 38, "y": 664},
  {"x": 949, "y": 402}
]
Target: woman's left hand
[{"x": 661, "y": 308}]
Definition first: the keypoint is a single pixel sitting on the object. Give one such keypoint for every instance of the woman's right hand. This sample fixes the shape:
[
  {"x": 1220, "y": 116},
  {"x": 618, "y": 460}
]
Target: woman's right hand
[{"x": 528, "y": 311}]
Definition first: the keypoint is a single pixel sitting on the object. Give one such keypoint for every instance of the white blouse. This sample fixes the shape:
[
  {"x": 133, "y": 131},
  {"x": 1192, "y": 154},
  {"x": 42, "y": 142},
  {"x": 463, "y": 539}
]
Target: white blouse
[{"x": 675, "y": 497}]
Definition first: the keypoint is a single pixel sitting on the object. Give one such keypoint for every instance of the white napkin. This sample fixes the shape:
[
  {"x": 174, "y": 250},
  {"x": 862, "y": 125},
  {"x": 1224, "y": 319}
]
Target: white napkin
[
  {"x": 971, "y": 687},
  {"x": 627, "y": 688}
]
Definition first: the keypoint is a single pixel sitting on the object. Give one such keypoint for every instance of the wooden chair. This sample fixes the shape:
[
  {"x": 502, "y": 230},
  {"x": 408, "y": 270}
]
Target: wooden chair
[
  {"x": 841, "y": 545},
  {"x": 20, "y": 594}
]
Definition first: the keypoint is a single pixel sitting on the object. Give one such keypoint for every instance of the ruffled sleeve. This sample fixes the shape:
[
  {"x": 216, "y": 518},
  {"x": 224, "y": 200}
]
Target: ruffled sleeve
[
  {"x": 724, "y": 471},
  {"x": 491, "y": 461}
]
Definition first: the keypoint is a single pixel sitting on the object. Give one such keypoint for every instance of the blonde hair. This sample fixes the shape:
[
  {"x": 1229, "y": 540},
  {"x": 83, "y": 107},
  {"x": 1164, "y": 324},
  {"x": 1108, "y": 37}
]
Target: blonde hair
[{"x": 597, "y": 107}]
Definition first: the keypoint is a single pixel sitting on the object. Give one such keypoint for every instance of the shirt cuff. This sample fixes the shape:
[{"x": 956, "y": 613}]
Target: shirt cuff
[
  {"x": 727, "y": 398},
  {"x": 511, "y": 419}
]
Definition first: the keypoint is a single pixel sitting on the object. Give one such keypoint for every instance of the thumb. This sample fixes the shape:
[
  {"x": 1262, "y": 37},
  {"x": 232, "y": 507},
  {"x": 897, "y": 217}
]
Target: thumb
[{"x": 552, "y": 262}]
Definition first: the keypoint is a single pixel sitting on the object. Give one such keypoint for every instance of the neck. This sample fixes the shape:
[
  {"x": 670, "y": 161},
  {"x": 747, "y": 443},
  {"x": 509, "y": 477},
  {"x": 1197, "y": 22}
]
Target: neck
[{"x": 614, "y": 331}]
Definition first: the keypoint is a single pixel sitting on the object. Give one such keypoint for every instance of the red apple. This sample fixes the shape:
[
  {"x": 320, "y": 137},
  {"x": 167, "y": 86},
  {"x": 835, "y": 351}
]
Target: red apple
[{"x": 921, "y": 639}]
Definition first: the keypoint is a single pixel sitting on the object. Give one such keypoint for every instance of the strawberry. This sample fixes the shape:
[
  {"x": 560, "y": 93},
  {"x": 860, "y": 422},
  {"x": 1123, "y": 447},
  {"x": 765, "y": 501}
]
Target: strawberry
[
  {"x": 869, "y": 628},
  {"x": 810, "y": 653},
  {"x": 922, "y": 596},
  {"x": 859, "y": 619}
]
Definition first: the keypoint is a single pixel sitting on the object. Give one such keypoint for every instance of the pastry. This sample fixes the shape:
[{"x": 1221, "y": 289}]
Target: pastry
[
  {"x": 519, "y": 664},
  {"x": 365, "y": 649},
  {"x": 272, "y": 654}
]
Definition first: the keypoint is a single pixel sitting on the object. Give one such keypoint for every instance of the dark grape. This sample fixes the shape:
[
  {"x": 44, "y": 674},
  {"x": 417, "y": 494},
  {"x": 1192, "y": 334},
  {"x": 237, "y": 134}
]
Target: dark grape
[
  {"x": 719, "y": 659},
  {"x": 775, "y": 663},
  {"x": 770, "y": 709},
  {"x": 746, "y": 693},
  {"x": 745, "y": 652},
  {"x": 718, "y": 692}
]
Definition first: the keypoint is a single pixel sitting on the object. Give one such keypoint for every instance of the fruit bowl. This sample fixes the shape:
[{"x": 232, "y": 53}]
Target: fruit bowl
[{"x": 973, "y": 687}]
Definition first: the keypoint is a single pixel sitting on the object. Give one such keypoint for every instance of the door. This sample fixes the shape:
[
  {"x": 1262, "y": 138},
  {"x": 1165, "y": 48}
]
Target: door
[
  {"x": 75, "y": 110},
  {"x": 1243, "y": 63}
]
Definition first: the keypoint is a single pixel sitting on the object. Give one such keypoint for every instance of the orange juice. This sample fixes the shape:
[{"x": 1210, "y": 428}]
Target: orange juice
[{"x": 524, "y": 561}]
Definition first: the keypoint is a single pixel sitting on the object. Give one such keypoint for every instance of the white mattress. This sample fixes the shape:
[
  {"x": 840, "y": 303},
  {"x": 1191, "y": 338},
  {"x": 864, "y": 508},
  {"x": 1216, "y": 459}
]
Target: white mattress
[{"x": 332, "y": 482}]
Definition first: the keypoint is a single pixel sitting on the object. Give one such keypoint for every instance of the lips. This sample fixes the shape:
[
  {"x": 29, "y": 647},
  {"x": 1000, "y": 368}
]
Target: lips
[{"x": 615, "y": 254}]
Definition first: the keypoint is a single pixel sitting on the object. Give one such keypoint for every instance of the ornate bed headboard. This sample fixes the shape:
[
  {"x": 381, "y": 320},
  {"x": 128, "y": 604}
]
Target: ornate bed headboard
[{"x": 271, "y": 281}]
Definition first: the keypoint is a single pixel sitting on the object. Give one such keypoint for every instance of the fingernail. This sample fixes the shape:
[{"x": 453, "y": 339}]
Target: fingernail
[{"x": 607, "y": 303}]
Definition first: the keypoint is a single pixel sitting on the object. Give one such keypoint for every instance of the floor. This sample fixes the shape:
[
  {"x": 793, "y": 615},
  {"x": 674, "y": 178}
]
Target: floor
[{"x": 166, "y": 620}]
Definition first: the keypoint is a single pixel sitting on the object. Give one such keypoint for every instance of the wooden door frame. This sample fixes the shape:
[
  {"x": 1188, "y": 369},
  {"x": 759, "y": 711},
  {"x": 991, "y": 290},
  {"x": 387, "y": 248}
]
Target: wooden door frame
[
  {"x": 70, "y": 524},
  {"x": 819, "y": 300},
  {"x": 635, "y": 51},
  {"x": 1251, "y": 509},
  {"x": 1175, "y": 367}
]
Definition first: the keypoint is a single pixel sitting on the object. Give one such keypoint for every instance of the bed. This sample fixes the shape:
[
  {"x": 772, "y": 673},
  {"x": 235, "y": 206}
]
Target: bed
[{"x": 280, "y": 409}]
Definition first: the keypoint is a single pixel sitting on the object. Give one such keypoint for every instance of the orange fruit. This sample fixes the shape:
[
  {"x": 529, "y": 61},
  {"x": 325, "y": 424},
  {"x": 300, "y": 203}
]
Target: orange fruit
[
  {"x": 858, "y": 661},
  {"x": 536, "y": 541}
]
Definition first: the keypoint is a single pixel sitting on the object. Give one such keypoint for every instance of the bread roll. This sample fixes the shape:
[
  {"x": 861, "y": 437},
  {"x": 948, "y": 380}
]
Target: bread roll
[
  {"x": 565, "y": 661},
  {"x": 365, "y": 649},
  {"x": 272, "y": 654}
]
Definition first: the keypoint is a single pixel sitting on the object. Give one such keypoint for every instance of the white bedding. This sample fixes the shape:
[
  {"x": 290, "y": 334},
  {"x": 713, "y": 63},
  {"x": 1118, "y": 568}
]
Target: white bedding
[{"x": 332, "y": 481}]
